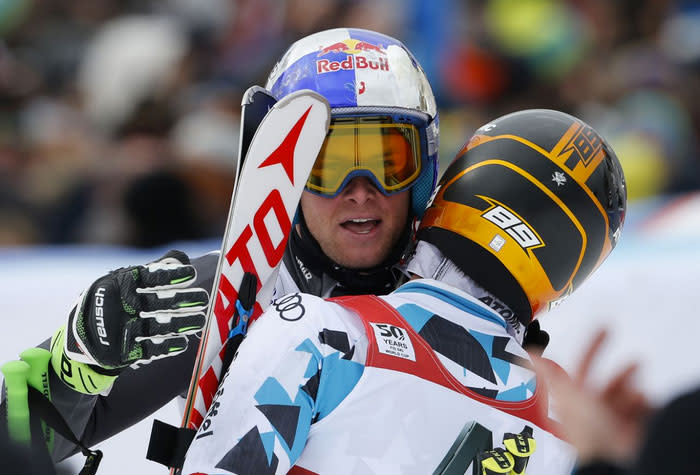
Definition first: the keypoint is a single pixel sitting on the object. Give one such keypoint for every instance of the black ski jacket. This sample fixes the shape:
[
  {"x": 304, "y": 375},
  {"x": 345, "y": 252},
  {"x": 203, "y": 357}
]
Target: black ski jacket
[{"x": 139, "y": 392}]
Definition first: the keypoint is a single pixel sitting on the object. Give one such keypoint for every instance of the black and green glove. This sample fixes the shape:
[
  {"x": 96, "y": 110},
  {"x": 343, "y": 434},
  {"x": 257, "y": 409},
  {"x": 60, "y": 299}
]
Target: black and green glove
[{"x": 131, "y": 315}]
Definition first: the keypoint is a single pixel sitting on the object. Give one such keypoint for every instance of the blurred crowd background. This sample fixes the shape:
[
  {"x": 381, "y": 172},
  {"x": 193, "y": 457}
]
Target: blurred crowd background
[{"x": 119, "y": 118}]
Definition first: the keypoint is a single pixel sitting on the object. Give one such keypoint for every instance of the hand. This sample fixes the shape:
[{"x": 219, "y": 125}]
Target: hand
[
  {"x": 605, "y": 424},
  {"x": 136, "y": 314}
]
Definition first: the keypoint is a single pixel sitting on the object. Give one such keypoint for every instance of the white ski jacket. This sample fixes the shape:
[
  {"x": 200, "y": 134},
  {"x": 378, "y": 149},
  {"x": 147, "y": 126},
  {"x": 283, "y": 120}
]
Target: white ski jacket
[{"x": 423, "y": 380}]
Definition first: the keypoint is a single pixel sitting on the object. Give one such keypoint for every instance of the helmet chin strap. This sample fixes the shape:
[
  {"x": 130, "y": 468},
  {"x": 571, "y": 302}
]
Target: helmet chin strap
[{"x": 428, "y": 262}]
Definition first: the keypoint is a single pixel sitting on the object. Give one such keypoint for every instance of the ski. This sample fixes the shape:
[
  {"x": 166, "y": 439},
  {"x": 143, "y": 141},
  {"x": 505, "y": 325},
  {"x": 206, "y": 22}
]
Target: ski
[
  {"x": 256, "y": 103},
  {"x": 273, "y": 174}
]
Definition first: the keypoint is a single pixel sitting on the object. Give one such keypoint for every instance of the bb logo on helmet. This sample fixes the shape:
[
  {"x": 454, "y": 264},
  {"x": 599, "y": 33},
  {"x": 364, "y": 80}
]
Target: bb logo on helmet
[{"x": 580, "y": 150}]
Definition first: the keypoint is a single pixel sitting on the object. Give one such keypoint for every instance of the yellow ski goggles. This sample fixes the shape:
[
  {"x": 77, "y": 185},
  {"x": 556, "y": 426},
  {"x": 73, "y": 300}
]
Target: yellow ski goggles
[{"x": 387, "y": 152}]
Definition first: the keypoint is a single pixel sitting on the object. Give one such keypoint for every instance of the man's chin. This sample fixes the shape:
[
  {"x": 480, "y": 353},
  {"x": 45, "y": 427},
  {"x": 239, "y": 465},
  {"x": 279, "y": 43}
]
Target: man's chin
[{"x": 360, "y": 262}]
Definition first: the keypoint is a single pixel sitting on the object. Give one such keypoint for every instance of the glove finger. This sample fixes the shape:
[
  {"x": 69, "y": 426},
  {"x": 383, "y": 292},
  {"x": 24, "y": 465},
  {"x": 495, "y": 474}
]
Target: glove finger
[
  {"x": 175, "y": 325},
  {"x": 175, "y": 254},
  {"x": 182, "y": 301},
  {"x": 159, "y": 276},
  {"x": 147, "y": 349},
  {"x": 163, "y": 326}
]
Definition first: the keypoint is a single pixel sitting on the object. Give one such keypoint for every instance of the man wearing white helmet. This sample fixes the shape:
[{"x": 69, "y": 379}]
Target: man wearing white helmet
[
  {"x": 377, "y": 167},
  {"x": 431, "y": 378},
  {"x": 371, "y": 181}
]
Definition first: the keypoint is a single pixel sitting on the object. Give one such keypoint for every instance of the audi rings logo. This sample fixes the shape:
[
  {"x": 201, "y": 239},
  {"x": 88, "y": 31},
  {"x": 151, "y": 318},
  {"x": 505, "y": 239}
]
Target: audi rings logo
[{"x": 290, "y": 307}]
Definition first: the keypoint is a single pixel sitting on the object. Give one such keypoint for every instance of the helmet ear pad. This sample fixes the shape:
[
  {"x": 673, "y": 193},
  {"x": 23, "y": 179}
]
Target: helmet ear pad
[
  {"x": 420, "y": 193},
  {"x": 423, "y": 189},
  {"x": 424, "y": 186}
]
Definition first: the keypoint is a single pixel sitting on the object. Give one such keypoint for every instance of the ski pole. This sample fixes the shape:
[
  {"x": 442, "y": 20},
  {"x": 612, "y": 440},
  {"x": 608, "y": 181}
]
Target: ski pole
[{"x": 244, "y": 308}]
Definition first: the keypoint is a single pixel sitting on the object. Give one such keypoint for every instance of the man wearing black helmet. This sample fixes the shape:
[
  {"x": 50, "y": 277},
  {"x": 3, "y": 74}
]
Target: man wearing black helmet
[
  {"x": 372, "y": 178},
  {"x": 431, "y": 378}
]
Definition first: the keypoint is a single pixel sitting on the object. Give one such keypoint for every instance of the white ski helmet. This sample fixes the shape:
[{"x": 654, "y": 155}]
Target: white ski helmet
[{"x": 382, "y": 107}]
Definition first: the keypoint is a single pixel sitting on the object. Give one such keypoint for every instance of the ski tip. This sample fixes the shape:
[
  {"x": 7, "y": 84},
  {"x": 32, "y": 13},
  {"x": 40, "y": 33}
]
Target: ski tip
[{"x": 249, "y": 94}]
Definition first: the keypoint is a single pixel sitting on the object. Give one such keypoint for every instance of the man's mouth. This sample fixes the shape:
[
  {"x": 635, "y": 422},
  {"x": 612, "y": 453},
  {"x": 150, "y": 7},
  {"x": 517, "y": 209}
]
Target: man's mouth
[{"x": 360, "y": 225}]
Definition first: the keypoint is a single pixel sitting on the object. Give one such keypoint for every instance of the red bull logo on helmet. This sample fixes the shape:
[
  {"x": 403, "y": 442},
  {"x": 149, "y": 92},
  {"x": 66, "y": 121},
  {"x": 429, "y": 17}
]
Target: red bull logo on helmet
[
  {"x": 351, "y": 47},
  {"x": 354, "y": 59}
]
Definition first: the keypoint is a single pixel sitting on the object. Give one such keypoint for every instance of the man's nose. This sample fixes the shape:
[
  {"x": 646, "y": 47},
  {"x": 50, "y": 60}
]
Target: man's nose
[{"x": 360, "y": 189}]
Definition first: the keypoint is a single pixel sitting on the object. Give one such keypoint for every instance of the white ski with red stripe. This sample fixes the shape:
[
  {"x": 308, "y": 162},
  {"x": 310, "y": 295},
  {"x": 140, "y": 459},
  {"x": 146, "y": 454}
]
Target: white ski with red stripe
[{"x": 276, "y": 167}]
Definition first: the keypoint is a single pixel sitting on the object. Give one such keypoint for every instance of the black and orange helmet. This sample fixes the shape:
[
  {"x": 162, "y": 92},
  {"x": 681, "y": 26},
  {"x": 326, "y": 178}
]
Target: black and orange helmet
[{"x": 529, "y": 208}]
